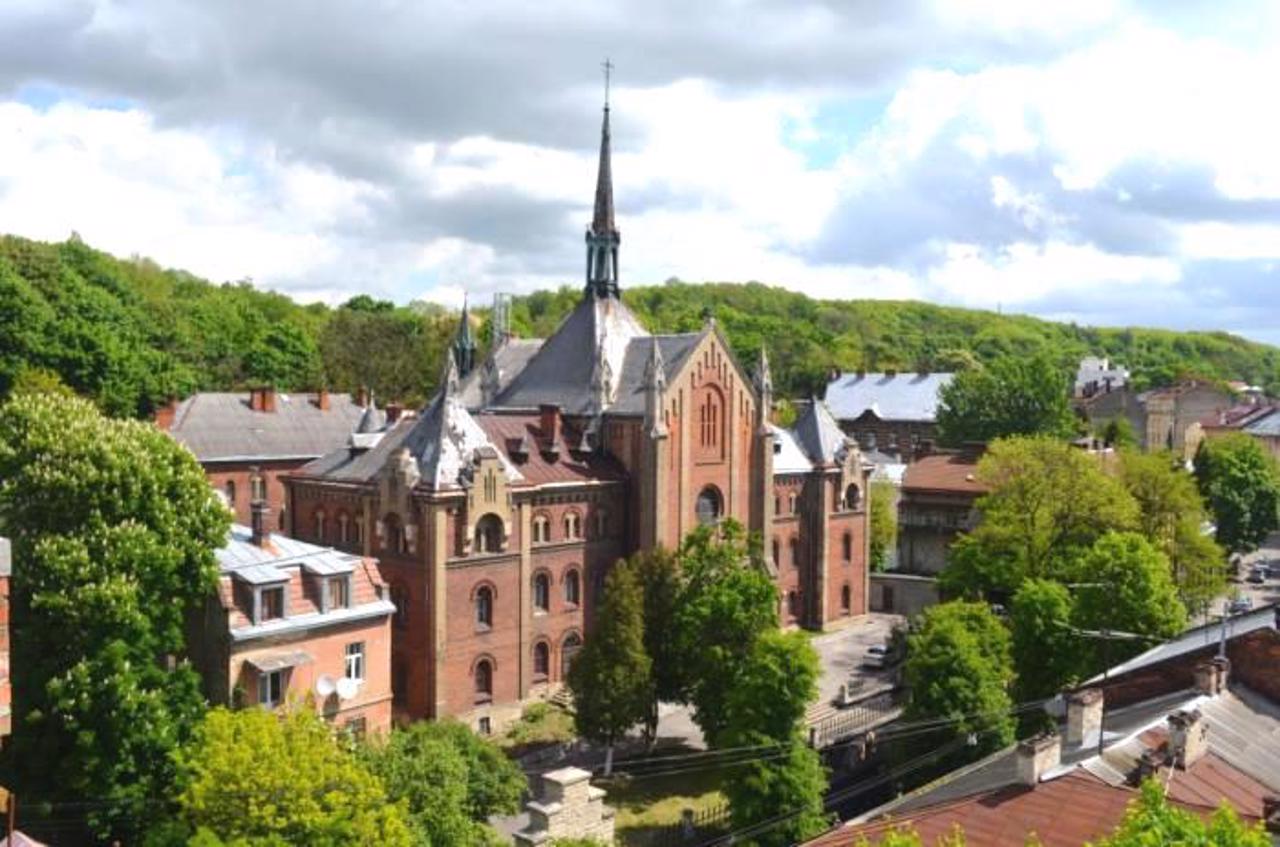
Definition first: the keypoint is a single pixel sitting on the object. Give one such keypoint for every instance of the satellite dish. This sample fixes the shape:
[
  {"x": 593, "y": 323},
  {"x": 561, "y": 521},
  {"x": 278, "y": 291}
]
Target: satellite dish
[
  {"x": 325, "y": 686},
  {"x": 347, "y": 688}
]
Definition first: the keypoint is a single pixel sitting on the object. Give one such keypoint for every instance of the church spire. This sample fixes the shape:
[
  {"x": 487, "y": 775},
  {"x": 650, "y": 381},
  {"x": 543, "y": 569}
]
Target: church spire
[
  {"x": 603, "y": 237},
  {"x": 464, "y": 343}
]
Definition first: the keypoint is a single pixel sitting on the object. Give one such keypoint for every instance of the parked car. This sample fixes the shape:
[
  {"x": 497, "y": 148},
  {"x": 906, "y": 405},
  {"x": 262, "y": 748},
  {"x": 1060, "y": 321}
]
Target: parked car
[
  {"x": 1239, "y": 605},
  {"x": 877, "y": 657},
  {"x": 1258, "y": 574}
]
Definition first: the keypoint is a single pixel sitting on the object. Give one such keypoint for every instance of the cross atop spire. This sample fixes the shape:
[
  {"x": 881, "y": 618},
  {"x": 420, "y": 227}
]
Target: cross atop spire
[{"x": 603, "y": 237}]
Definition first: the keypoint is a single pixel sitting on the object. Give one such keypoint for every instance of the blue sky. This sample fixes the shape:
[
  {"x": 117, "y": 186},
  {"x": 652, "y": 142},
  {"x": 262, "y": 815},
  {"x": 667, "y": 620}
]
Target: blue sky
[{"x": 1102, "y": 161}]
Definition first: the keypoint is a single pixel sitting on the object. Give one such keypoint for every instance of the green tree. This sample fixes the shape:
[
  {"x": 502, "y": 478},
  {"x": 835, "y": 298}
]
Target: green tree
[
  {"x": 284, "y": 357},
  {"x": 1046, "y": 654},
  {"x": 1047, "y": 502},
  {"x": 661, "y": 582},
  {"x": 884, "y": 523},
  {"x": 1171, "y": 514},
  {"x": 115, "y": 528},
  {"x": 451, "y": 780},
  {"x": 958, "y": 668},
  {"x": 728, "y": 602},
  {"x": 1152, "y": 820},
  {"x": 1241, "y": 485},
  {"x": 1128, "y": 587},
  {"x": 776, "y": 684},
  {"x": 792, "y": 785},
  {"x": 1011, "y": 396},
  {"x": 610, "y": 676},
  {"x": 253, "y": 777},
  {"x": 1118, "y": 433}
]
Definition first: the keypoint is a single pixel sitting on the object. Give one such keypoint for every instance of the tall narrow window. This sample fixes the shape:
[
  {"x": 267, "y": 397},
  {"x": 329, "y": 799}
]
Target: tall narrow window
[
  {"x": 484, "y": 681},
  {"x": 791, "y": 503},
  {"x": 355, "y": 661},
  {"x": 795, "y": 552},
  {"x": 709, "y": 506},
  {"x": 568, "y": 652},
  {"x": 541, "y": 661},
  {"x": 344, "y": 528},
  {"x": 229, "y": 492},
  {"x": 484, "y": 607},
  {"x": 541, "y": 529},
  {"x": 846, "y": 600},
  {"x": 852, "y": 497},
  {"x": 488, "y": 535},
  {"x": 319, "y": 525},
  {"x": 777, "y": 558},
  {"x": 572, "y": 588},
  {"x": 846, "y": 544},
  {"x": 339, "y": 592},
  {"x": 271, "y": 688},
  {"x": 572, "y": 525},
  {"x": 541, "y": 592},
  {"x": 271, "y": 604}
]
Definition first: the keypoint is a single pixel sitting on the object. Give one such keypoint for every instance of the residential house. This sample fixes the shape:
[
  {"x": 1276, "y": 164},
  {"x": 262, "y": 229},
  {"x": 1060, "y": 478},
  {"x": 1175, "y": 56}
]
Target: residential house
[
  {"x": 891, "y": 412},
  {"x": 1162, "y": 418},
  {"x": 936, "y": 505},
  {"x": 293, "y": 622},
  {"x": 1098, "y": 375},
  {"x": 1258, "y": 420}
]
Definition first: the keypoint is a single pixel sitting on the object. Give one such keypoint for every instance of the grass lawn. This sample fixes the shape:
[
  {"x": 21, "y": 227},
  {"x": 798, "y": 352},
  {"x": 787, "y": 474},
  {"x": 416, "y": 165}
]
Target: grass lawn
[
  {"x": 654, "y": 802},
  {"x": 541, "y": 723}
]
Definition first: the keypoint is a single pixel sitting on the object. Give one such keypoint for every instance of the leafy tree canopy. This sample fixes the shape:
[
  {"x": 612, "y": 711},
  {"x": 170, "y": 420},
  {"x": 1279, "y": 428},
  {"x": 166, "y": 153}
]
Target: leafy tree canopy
[
  {"x": 1010, "y": 396},
  {"x": 884, "y": 523},
  {"x": 253, "y": 777},
  {"x": 1152, "y": 819},
  {"x": 1241, "y": 484}
]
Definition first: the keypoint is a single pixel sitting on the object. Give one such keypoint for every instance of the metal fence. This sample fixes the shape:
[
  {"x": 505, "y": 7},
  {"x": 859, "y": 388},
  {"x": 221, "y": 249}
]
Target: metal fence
[
  {"x": 696, "y": 827},
  {"x": 876, "y": 708}
]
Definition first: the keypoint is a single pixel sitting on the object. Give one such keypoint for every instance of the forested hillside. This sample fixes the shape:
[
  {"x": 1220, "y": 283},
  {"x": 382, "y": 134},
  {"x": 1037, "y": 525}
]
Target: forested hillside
[{"x": 130, "y": 334}]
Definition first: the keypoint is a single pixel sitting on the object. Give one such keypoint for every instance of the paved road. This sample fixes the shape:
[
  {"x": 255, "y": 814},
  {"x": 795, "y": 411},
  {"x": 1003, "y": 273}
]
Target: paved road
[
  {"x": 1259, "y": 595},
  {"x": 841, "y": 653}
]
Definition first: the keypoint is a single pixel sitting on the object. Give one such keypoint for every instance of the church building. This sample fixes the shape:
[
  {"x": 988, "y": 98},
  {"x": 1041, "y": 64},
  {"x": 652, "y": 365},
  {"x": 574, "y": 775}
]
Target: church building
[{"x": 496, "y": 511}]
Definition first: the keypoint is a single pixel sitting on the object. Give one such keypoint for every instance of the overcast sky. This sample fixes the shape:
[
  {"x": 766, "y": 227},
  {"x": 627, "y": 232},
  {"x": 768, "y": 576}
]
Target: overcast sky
[{"x": 1106, "y": 162}]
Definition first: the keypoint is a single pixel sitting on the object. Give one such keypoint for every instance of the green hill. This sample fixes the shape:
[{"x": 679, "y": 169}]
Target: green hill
[{"x": 130, "y": 334}]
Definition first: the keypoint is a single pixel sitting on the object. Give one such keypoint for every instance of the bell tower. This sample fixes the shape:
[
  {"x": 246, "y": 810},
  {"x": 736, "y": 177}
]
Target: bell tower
[{"x": 603, "y": 237}]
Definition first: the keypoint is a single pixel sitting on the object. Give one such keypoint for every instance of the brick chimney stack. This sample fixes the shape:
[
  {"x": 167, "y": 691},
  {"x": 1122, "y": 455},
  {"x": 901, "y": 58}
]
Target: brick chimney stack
[
  {"x": 1037, "y": 756},
  {"x": 362, "y": 397},
  {"x": 394, "y": 410},
  {"x": 262, "y": 399},
  {"x": 549, "y": 423},
  {"x": 166, "y": 413},
  {"x": 1084, "y": 715},
  {"x": 259, "y": 511},
  {"x": 322, "y": 399},
  {"x": 1188, "y": 737}
]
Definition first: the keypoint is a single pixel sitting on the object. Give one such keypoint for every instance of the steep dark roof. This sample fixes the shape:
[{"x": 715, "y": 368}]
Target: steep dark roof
[
  {"x": 562, "y": 369},
  {"x": 602, "y": 220},
  {"x": 818, "y": 433},
  {"x": 221, "y": 426},
  {"x": 674, "y": 349},
  {"x": 511, "y": 359}
]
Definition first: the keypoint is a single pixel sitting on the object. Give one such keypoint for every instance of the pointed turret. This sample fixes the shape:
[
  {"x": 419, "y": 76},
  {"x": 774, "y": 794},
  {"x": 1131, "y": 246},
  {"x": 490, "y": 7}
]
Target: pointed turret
[
  {"x": 764, "y": 387},
  {"x": 449, "y": 376},
  {"x": 464, "y": 343},
  {"x": 603, "y": 237},
  {"x": 655, "y": 387}
]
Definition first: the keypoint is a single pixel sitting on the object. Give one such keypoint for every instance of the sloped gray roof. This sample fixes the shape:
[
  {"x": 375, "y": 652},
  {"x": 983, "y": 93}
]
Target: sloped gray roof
[
  {"x": 674, "y": 349},
  {"x": 1267, "y": 425},
  {"x": 221, "y": 426},
  {"x": 511, "y": 358},
  {"x": 892, "y": 397},
  {"x": 561, "y": 371},
  {"x": 818, "y": 433},
  {"x": 258, "y": 564},
  {"x": 788, "y": 457}
]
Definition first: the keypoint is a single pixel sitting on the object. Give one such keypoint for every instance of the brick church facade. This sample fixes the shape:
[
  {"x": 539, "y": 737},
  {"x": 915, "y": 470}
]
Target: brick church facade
[{"x": 497, "y": 510}]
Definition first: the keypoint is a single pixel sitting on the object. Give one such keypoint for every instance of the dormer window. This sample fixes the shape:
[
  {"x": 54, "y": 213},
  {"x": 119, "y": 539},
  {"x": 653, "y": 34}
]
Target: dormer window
[
  {"x": 270, "y": 603},
  {"x": 339, "y": 592}
]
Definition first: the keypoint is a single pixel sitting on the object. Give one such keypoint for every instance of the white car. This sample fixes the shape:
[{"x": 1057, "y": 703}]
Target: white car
[{"x": 877, "y": 656}]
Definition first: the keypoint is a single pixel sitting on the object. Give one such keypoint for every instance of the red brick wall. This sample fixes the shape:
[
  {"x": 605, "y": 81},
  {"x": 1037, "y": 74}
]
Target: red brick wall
[
  {"x": 851, "y": 571},
  {"x": 220, "y": 473}
]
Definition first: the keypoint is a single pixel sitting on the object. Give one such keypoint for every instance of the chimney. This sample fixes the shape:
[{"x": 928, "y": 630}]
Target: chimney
[
  {"x": 362, "y": 397},
  {"x": 1084, "y": 715},
  {"x": 166, "y": 413},
  {"x": 891, "y": 372},
  {"x": 1211, "y": 676},
  {"x": 549, "y": 423},
  {"x": 1188, "y": 737},
  {"x": 322, "y": 399},
  {"x": 258, "y": 509},
  {"x": 1271, "y": 813},
  {"x": 1037, "y": 756},
  {"x": 394, "y": 410},
  {"x": 925, "y": 447},
  {"x": 262, "y": 399}
]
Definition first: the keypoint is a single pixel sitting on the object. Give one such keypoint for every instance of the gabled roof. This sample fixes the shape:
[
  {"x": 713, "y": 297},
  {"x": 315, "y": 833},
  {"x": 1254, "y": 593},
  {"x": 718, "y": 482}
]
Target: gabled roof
[
  {"x": 563, "y": 368},
  {"x": 220, "y": 426},
  {"x": 818, "y": 434},
  {"x": 949, "y": 472},
  {"x": 511, "y": 357},
  {"x": 241, "y": 556},
  {"x": 1267, "y": 425},
  {"x": 788, "y": 456},
  {"x": 674, "y": 350},
  {"x": 540, "y": 466},
  {"x": 889, "y": 396}
]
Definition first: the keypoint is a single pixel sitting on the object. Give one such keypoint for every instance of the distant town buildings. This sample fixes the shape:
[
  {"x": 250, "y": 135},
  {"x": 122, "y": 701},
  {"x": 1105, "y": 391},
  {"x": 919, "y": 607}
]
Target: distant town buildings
[
  {"x": 1098, "y": 375},
  {"x": 891, "y": 412},
  {"x": 1162, "y": 418},
  {"x": 294, "y": 622},
  {"x": 1259, "y": 420},
  {"x": 231, "y": 433}
]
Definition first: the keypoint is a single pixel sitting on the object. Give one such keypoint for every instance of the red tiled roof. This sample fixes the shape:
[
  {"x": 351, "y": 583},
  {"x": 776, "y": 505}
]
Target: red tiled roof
[
  {"x": 944, "y": 472},
  {"x": 1063, "y": 812},
  {"x": 540, "y": 467}
]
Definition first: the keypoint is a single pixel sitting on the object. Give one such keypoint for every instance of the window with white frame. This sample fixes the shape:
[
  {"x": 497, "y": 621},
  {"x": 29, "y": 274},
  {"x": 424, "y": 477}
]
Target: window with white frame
[
  {"x": 572, "y": 525},
  {"x": 355, "y": 661},
  {"x": 271, "y": 688},
  {"x": 541, "y": 529}
]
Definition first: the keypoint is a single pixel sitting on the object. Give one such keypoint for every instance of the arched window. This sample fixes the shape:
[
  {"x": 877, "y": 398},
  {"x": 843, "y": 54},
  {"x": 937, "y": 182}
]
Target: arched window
[
  {"x": 229, "y": 491},
  {"x": 257, "y": 487},
  {"x": 572, "y": 588},
  {"x": 541, "y": 661},
  {"x": 392, "y": 534},
  {"x": 568, "y": 652},
  {"x": 572, "y": 526},
  {"x": 602, "y": 523},
  {"x": 777, "y": 505},
  {"x": 541, "y": 529},
  {"x": 484, "y": 681},
  {"x": 344, "y": 527},
  {"x": 791, "y": 503},
  {"x": 541, "y": 592},
  {"x": 777, "y": 554},
  {"x": 484, "y": 607},
  {"x": 710, "y": 422},
  {"x": 846, "y": 546},
  {"x": 710, "y": 506},
  {"x": 359, "y": 529},
  {"x": 846, "y": 599},
  {"x": 488, "y": 538},
  {"x": 319, "y": 518},
  {"x": 400, "y": 599},
  {"x": 793, "y": 604},
  {"x": 852, "y": 497},
  {"x": 794, "y": 544}
]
